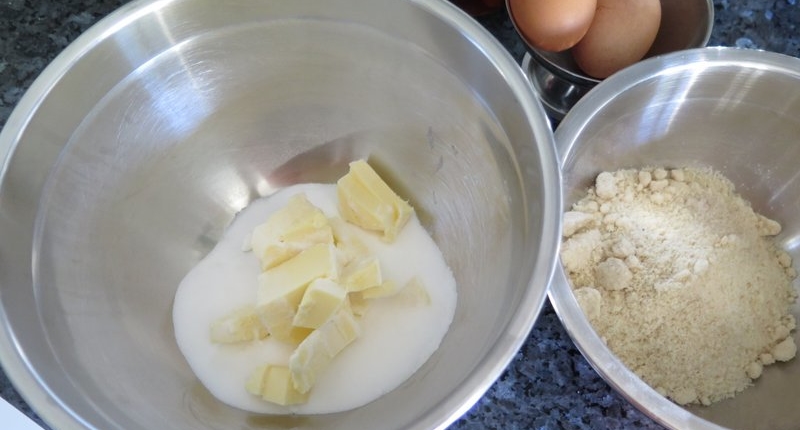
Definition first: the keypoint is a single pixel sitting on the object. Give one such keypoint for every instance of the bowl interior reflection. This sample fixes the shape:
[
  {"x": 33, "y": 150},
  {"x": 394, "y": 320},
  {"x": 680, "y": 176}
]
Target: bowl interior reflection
[{"x": 135, "y": 171}]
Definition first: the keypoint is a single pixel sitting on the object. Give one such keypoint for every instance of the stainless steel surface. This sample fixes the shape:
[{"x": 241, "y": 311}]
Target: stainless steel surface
[
  {"x": 132, "y": 151},
  {"x": 560, "y": 83},
  {"x": 557, "y": 94},
  {"x": 737, "y": 111}
]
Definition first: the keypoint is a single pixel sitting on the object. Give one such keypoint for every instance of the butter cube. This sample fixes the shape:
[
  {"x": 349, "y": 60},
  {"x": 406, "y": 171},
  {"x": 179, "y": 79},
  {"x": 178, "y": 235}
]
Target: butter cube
[
  {"x": 413, "y": 293},
  {"x": 358, "y": 304},
  {"x": 321, "y": 299},
  {"x": 278, "y": 316},
  {"x": 361, "y": 275},
  {"x": 350, "y": 247},
  {"x": 368, "y": 202},
  {"x": 281, "y": 289},
  {"x": 385, "y": 289},
  {"x": 342, "y": 330},
  {"x": 274, "y": 384},
  {"x": 313, "y": 355},
  {"x": 287, "y": 232},
  {"x": 241, "y": 325}
]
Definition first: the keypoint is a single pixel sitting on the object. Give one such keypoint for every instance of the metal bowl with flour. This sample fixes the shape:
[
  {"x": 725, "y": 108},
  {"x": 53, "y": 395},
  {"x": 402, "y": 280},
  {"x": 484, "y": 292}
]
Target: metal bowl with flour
[
  {"x": 134, "y": 149},
  {"x": 736, "y": 111}
]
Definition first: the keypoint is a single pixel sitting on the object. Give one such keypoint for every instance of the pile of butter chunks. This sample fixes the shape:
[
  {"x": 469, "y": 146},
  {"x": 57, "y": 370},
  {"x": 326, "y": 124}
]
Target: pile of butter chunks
[{"x": 317, "y": 279}]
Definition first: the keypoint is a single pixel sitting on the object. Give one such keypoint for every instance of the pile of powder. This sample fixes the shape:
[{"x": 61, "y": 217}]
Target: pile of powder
[{"x": 681, "y": 279}]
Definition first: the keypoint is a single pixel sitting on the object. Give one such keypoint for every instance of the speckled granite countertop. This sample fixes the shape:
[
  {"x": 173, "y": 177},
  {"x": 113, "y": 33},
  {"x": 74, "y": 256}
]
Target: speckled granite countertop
[{"x": 549, "y": 385}]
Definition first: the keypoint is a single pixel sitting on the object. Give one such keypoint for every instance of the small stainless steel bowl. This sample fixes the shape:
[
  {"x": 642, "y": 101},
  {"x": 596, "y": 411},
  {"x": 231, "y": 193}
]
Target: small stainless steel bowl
[
  {"x": 737, "y": 111},
  {"x": 134, "y": 149},
  {"x": 559, "y": 82}
]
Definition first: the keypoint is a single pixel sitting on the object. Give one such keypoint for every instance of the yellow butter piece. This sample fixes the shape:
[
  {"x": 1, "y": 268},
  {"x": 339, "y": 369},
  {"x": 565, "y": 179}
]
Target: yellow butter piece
[
  {"x": 358, "y": 304},
  {"x": 274, "y": 384},
  {"x": 321, "y": 299},
  {"x": 362, "y": 274},
  {"x": 368, "y": 202},
  {"x": 385, "y": 289},
  {"x": 359, "y": 207},
  {"x": 278, "y": 316},
  {"x": 413, "y": 293},
  {"x": 348, "y": 245},
  {"x": 241, "y": 325},
  {"x": 313, "y": 355},
  {"x": 281, "y": 289},
  {"x": 290, "y": 230}
]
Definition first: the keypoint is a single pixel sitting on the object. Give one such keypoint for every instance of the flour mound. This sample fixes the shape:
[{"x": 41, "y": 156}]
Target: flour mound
[{"x": 681, "y": 279}]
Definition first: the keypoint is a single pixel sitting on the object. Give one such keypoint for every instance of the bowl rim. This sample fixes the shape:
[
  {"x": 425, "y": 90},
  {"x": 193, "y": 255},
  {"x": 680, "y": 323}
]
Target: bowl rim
[
  {"x": 53, "y": 411},
  {"x": 569, "y": 132}
]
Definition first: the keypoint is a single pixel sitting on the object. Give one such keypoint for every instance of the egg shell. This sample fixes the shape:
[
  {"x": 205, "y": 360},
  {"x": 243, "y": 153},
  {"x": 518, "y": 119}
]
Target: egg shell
[
  {"x": 621, "y": 33},
  {"x": 552, "y": 25}
]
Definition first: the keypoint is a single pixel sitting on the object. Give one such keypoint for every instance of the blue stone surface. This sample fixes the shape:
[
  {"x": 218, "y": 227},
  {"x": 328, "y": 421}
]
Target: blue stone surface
[{"x": 548, "y": 385}]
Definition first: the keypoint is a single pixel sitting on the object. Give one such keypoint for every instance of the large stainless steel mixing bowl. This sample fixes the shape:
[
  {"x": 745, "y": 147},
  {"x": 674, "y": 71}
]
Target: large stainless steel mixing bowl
[
  {"x": 737, "y": 111},
  {"x": 129, "y": 155}
]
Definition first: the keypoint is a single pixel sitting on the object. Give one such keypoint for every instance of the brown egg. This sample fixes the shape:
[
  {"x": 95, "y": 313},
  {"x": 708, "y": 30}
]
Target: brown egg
[
  {"x": 621, "y": 33},
  {"x": 552, "y": 25}
]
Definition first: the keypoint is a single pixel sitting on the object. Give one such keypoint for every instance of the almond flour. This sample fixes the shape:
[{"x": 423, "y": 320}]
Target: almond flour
[{"x": 681, "y": 279}]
